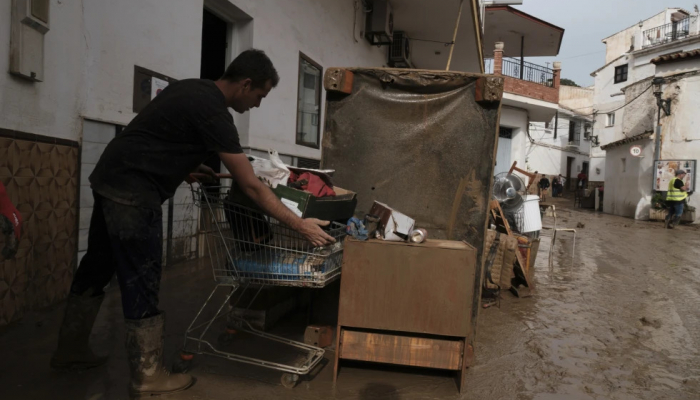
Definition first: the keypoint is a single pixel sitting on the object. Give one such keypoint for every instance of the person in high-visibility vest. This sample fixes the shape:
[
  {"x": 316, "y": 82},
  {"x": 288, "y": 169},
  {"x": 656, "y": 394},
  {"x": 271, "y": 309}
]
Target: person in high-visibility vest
[{"x": 675, "y": 199}]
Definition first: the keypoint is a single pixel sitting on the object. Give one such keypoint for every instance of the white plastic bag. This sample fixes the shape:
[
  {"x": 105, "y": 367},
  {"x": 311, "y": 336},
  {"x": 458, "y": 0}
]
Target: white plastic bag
[{"x": 273, "y": 171}]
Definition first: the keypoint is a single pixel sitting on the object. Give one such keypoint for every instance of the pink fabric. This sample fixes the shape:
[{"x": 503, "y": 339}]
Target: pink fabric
[{"x": 8, "y": 210}]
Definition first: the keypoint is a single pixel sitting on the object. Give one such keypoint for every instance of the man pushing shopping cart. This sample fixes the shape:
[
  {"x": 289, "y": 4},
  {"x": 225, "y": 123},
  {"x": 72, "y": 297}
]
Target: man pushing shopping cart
[{"x": 140, "y": 169}]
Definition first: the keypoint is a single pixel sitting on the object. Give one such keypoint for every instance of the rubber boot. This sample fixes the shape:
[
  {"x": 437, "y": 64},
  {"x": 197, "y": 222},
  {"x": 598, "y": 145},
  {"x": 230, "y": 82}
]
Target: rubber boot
[
  {"x": 144, "y": 348},
  {"x": 73, "y": 351},
  {"x": 667, "y": 223},
  {"x": 675, "y": 221}
]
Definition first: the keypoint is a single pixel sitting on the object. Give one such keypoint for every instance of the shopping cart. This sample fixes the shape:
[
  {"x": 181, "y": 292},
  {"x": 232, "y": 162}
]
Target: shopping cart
[{"x": 250, "y": 250}]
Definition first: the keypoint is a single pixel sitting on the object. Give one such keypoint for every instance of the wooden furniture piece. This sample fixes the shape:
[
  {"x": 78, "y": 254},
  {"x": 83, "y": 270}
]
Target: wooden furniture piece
[{"x": 408, "y": 304}]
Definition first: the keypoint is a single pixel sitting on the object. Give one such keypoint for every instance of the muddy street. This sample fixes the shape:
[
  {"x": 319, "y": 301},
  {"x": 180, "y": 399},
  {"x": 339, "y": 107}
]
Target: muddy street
[{"x": 619, "y": 322}]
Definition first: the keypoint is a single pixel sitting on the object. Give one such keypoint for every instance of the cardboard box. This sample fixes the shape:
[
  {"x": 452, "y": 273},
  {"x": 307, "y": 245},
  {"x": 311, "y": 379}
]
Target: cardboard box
[
  {"x": 394, "y": 226},
  {"x": 332, "y": 208}
]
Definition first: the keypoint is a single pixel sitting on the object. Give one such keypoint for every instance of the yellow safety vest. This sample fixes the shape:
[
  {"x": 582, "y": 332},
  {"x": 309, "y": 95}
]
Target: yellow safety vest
[{"x": 675, "y": 194}]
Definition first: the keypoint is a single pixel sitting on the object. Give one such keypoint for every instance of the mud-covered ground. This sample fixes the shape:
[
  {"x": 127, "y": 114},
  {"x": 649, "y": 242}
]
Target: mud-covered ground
[{"x": 619, "y": 321}]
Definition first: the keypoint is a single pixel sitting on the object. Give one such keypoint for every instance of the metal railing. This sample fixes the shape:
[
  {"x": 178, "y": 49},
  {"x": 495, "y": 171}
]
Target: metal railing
[
  {"x": 670, "y": 32},
  {"x": 529, "y": 71}
]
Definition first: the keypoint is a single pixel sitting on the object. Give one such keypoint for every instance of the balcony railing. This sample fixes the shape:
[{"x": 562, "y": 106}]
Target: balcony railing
[
  {"x": 670, "y": 32},
  {"x": 528, "y": 72}
]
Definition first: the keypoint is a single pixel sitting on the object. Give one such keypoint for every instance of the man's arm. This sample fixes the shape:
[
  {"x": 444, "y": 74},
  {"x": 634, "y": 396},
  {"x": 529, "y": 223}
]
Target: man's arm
[{"x": 243, "y": 174}]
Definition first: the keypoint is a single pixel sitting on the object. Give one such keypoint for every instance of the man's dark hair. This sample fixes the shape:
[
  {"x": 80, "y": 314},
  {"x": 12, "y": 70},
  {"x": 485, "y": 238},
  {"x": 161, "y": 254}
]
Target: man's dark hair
[{"x": 253, "y": 64}]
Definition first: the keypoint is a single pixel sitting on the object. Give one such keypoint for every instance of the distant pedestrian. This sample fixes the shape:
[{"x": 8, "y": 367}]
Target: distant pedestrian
[
  {"x": 556, "y": 186},
  {"x": 582, "y": 180},
  {"x": 675, "y": 199},
  {"x": 562, "y": 182},
  {"x": 543, "y": 186}
]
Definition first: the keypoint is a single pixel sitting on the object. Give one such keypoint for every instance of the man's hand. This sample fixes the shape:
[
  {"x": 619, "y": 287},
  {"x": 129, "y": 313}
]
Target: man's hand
[
  {"x": 310, "y": 228},
  {"x": 205, "y": 169}
]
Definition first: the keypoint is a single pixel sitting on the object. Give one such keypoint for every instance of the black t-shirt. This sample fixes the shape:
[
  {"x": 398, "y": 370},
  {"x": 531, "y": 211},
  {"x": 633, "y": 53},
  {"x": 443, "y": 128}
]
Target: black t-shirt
[
  {"x": 544, "y": 183},
  {"x": 184, "y": 125},
  {"x": 678, "y": 184}
]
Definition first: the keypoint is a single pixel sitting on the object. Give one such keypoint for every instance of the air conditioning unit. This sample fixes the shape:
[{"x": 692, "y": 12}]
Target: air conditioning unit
[
  {"x": 400, "y": 51},
  {"x": 379, "y": 25}
]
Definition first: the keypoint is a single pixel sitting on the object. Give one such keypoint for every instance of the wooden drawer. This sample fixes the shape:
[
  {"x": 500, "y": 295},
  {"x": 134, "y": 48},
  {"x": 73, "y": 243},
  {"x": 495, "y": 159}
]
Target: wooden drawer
[{"x": 401, "y": 350}]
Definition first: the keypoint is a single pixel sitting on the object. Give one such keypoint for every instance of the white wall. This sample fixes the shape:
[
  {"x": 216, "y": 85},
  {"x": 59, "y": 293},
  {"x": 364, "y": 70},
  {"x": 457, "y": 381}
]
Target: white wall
[
  {"x": 322, "y": 30},
  {"x": 549, "y": 155},
  {"x": 517, "y": 119},
  {"x": 628, "y": 192},
  {"x": 51, "y": 107},
  {"x": 680, "y": 131},
  {"x": 620, "y": 42},
  {"x": 163, "y": 37},
  {"x": 678, "y": 67}
]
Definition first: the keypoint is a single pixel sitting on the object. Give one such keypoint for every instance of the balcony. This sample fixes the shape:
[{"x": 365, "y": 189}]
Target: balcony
[
  {"x": 677, "y": 30},
  {"x": 523, "y": 70},
  {"x": 527, "y": 86}
]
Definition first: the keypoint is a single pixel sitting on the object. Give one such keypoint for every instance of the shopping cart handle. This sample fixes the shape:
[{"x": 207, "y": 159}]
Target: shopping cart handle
[{"x": 200, "y": 177}]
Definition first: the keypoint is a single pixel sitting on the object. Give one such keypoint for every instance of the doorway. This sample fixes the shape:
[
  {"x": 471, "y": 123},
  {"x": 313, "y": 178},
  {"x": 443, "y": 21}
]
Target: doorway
[
  {"x": 584, "y": 168},
  {"x": 569, "y": 166},
  {"x": 503, "y": 155},
  {"x": 213, "y": 59}
]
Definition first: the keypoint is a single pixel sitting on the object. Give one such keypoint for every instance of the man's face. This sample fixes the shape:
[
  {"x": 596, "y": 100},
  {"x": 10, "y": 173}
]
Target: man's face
[{"x": 248, "y": 97}]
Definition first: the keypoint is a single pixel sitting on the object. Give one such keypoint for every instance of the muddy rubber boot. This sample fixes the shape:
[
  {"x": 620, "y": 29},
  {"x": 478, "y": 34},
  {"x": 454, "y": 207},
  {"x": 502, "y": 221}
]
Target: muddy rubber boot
[
  {"x": 667, "y": 223},
  {"x": 144, "y": 348},
  {"x": 73, "y": 351},
  {"x": 675, "y": 221}
]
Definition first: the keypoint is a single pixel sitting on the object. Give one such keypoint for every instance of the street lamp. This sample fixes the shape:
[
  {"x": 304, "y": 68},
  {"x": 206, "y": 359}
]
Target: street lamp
[{"x": 663, "y": 104}]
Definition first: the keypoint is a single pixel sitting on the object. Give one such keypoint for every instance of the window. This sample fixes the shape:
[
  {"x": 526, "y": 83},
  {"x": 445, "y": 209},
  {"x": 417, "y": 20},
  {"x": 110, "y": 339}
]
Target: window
[
  {"x": 621, "y": 73},
  {"x": 574, "y": 132},
  {"x": 587, "y": 131},
  {"x": 610, "y": 119},
  {"x": 546, "y": 125},
  {"x": 624, "y": 165},
  {"x": 309, "y": 103},
  {"x": 506, "y": 133}
]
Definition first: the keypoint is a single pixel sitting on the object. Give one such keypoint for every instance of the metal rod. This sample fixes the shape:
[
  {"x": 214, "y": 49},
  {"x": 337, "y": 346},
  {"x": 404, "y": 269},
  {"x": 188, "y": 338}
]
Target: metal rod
[
  {"x": 522, "y": 56},
  {"x": 454, "y": 37}
]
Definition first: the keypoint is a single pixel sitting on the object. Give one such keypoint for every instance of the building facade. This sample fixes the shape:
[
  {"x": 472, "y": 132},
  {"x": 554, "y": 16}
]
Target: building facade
[
  {"x": 627, "y": 111},
  {"x": 79, "y": 71},
  {"x": 531, "y": 91}
]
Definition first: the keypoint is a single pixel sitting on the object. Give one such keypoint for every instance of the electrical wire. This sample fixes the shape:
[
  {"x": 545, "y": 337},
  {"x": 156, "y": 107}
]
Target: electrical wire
[{"x": 611, "y": 111}]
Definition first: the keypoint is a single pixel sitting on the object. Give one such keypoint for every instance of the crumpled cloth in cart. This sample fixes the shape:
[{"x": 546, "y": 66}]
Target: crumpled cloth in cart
[
  {"x": 316, "y": 186},
  {"x": 10, "y": 224}
]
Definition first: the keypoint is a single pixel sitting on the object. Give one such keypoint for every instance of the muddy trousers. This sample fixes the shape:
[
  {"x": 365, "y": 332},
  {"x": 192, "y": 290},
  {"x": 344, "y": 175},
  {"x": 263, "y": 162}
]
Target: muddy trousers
[
  {"x": 675, "y": 211},
  {"x": 127, "y": 240}
]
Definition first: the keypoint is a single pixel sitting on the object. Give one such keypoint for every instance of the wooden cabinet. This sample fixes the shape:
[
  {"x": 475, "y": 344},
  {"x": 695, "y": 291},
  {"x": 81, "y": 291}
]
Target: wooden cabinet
[{"x": 408, "y": 304}]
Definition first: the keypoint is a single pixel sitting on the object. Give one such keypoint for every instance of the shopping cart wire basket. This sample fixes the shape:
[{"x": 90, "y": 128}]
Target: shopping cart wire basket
[{"x": 250, "y": 250}]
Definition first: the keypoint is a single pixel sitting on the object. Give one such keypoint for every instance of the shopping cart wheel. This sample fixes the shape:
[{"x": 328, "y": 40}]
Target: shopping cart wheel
[
  {"x": 183, "y": 363},
  {"x": 228, "y": 336},
  {"x": 289, "y": 380}
]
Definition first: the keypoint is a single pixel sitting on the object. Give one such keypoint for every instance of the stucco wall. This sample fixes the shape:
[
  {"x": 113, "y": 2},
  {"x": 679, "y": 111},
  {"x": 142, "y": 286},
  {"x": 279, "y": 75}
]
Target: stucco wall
[
  {"x": 628, "y": 189},
  {"x": 678, "y": 67},
  {"x": 517, "y": 119},
  {"x": 51, "y": 107},
  {"x": 577, "y": 98},
  {"x": 620, "y": 42},
  {"x": 548, "y": 155},
  {"x": 680, "y": 133},
  {"x": 322, "y": 30}
]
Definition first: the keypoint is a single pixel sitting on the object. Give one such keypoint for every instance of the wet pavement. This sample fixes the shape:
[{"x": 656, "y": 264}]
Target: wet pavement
[{"x": 620, "y": 321}]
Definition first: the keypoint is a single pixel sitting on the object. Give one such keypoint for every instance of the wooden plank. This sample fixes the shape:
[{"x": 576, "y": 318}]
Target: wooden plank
[
  {"x": 401, "y": 350},
  {"x": 424, "y": 288}
]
